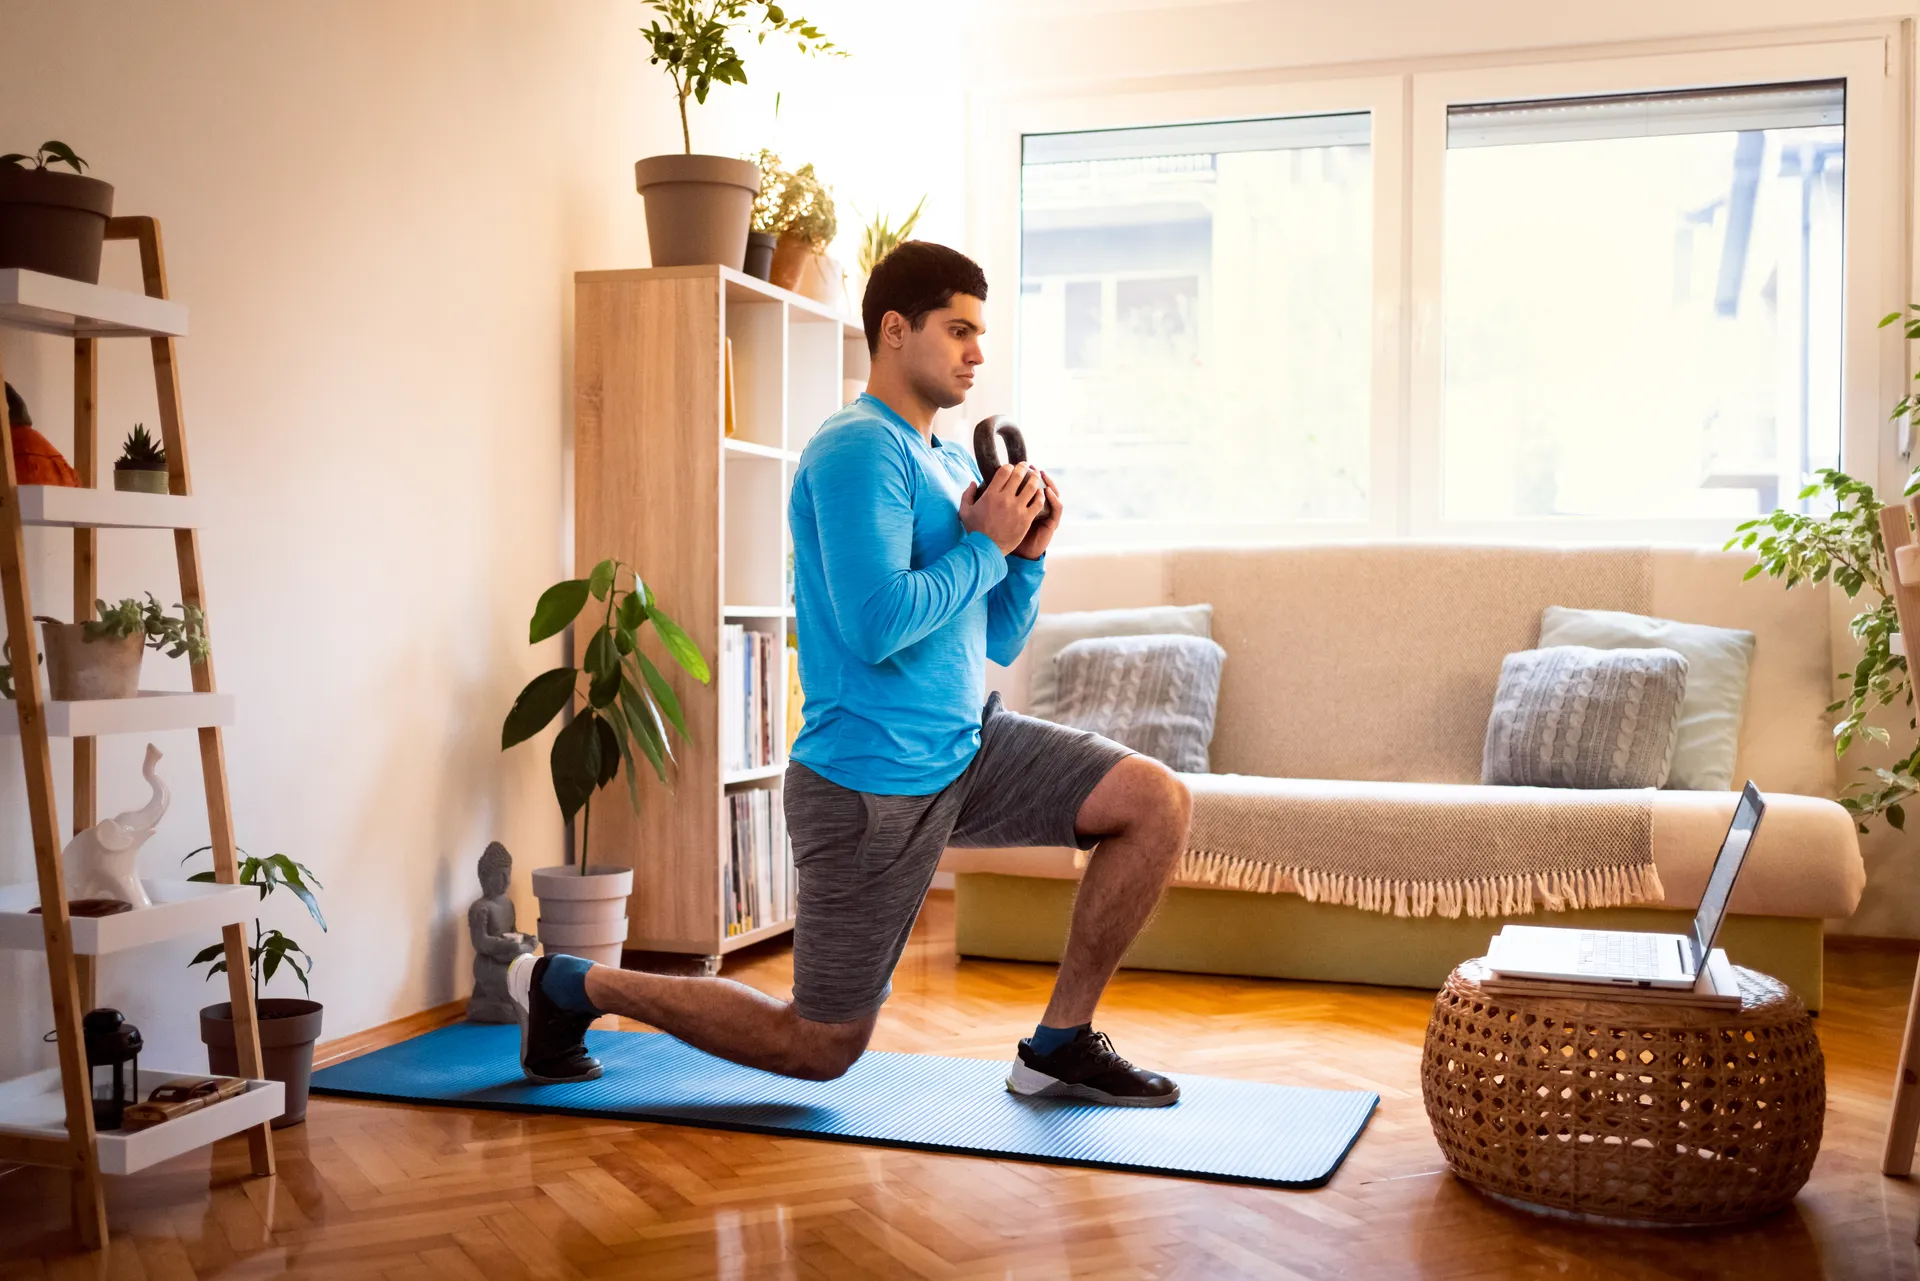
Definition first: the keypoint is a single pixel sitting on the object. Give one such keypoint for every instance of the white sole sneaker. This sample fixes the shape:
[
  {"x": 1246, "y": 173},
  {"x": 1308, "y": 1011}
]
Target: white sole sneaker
[
  {"x": 520, "y": 983},
  {"x": 1032, "y": 1084}
]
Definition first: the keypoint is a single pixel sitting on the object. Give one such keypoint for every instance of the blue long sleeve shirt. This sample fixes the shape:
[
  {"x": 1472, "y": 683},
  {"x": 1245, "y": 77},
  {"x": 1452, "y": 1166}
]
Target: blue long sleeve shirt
[{"x": 899, "y": 605}]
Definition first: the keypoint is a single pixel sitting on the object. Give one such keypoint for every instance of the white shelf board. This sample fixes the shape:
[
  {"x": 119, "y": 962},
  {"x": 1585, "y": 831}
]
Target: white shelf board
[
  {"x": 774, "y": 770},
  {"x": 152, "y": 711},
  {"x": 746, "y": 448},
  {"x": 75, "y": 309},
  {"x": 179, "y": 908},
  {"x": 69, "y": 508},
  {"x": 753, "y": 611},
  {"x": 34, "y": 1107}
]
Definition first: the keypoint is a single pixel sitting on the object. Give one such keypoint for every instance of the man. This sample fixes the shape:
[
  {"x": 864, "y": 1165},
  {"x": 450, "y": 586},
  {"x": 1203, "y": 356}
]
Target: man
[{"x": 909, "y": 575}]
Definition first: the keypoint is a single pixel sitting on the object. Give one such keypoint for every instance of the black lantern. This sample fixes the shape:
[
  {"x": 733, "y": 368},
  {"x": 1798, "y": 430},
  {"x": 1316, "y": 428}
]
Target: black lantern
[{"x": 112, "y": 1042}]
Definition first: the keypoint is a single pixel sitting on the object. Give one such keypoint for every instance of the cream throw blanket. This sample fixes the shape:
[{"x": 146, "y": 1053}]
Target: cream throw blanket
[{"x": 1414, "y": 849}]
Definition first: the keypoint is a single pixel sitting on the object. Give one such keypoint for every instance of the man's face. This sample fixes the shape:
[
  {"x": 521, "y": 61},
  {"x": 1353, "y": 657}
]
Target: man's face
[{"x": 939, "y": 357}]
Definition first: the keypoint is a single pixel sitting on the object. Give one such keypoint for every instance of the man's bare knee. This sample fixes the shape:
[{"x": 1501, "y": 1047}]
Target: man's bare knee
[{"x": 824, "y": 1051}]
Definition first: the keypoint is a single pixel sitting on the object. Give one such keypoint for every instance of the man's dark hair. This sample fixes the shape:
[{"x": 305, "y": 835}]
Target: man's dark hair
[{"x": 917, "y": 278}]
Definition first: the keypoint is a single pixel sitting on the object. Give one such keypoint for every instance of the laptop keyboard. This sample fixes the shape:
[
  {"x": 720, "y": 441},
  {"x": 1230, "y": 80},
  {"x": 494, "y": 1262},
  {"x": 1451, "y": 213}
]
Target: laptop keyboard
[{"x": 1633, "y": 955}]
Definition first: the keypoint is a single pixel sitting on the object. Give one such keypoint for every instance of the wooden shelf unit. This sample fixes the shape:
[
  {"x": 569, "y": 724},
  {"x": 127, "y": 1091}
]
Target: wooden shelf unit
[
  {"x": 659, "y": 484},
  {"x": 47, "y": 1118}
]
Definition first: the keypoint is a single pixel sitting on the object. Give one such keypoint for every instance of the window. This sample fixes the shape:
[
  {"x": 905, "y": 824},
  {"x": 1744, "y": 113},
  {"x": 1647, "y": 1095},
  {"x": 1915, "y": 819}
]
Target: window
[
  {"x": 1641, "y": 303},
  {"x": 1195, "y": 317}
]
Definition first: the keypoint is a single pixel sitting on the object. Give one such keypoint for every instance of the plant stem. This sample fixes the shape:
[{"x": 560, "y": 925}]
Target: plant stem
[
  {"x": 254, "y": 964},
  {"x": 586, "y": 832},
  {"x": 686, "y": 135}
]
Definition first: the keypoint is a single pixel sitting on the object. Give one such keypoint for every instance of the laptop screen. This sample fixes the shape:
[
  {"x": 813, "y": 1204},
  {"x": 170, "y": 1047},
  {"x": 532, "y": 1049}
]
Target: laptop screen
[{"x": 1733, "y": 850}]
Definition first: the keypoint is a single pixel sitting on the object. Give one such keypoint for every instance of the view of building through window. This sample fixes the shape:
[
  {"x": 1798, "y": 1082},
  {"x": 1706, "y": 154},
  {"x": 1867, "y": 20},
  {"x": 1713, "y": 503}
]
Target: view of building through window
[
  {"x": 1194, "y": 318},
  {"x": 1641, "y": 303}
]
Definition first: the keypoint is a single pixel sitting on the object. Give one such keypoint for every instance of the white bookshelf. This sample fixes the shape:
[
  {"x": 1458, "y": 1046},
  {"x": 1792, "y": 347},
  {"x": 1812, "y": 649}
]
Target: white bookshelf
[
  {"x": 75, "y": 309},
  {"x": 31, "y": 1108},
  {"x": 658, "y": 482},
  {"x": 151, "y": 712}
]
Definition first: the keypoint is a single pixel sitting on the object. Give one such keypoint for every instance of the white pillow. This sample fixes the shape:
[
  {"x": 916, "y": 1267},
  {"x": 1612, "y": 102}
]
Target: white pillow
[
  {"x": 1718, "y": 659},
  {"x": 1054, "y": 632}
]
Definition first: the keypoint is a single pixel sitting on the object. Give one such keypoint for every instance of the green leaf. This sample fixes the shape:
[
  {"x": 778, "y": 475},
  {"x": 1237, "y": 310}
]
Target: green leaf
[
  {"x": 291, "y": 874},
  {"x": 664, "y": 693},
  {"x": 603, "y": 655},
  {"x": 622, "y": 736},
  {"x": 601, "y": 581},
  {"x": 205, "y": 878},
  {"x": 605, "y": 688},
  {"x": 633, "y": 611},
  {"x": 206, "y": 954},
  {"x": 559, "y": 605},
  {"x": 609, "y": 751},
  {"x": 575, "y": 763},
  {"x": 1897, "y": 818},
  {"x": 633, "y": 706},
  {"x": 681, "y": 647},
  {"x": 545, "y": 696}
]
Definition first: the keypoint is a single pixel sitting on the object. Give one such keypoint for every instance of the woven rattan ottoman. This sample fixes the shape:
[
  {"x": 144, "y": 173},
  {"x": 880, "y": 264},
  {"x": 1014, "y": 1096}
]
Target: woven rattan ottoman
[{"x": 1622, "y": 1110}]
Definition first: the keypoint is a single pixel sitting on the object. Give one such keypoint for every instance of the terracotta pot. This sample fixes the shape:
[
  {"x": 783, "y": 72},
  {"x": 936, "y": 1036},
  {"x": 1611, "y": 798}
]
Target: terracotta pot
[
  {"x": 139, "y": 480},
  {"x": 791, "y": 257},
  {"x": 79, "y": 669},
  {"x": 760, "y": 254},
  {"x": 823, "y": 281},
  {"x": 584, "y": 916},
  {"x": 53, "y": 222},
  {"x": 698, "y": 208},
  {"x": 288, "y": 1029}
]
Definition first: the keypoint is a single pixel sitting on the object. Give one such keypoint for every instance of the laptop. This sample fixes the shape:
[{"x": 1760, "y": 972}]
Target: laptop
[{"x": 1628, "y": 958}]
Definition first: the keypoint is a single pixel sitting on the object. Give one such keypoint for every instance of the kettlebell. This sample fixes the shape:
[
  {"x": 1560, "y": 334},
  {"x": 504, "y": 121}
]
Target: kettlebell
[{"x": 986, "y": 451}]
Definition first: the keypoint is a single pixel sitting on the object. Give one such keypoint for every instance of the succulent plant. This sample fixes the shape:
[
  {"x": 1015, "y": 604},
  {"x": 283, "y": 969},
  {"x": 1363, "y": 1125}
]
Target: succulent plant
[{"x": 141, "y": 452}]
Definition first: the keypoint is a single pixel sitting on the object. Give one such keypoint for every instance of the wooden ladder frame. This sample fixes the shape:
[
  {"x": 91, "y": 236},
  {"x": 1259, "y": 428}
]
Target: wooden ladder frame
[
  {"x": 72, "y": 977},
  {"x": 1904, "y": 1123}
]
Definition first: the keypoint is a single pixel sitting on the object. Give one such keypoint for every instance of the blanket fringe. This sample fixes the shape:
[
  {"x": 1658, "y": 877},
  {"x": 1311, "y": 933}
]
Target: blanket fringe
[{"x": 1562, "y": 891}]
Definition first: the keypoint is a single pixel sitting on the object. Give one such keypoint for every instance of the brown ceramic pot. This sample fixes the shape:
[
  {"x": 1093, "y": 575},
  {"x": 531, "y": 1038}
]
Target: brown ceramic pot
[
  {"x": 53, "y": 222},
  {"x": 698, "y": 208},
  {"x": 288, "y": 1029},
  {"x": 79, "y": 669},
  {"x": 792, "y": 255}
]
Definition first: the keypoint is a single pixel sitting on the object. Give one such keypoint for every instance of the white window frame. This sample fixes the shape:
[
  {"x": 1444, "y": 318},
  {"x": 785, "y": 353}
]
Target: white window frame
[
  {"x": 1871, "y": 228},
  {"x": 993, "y": 219},
  {"x": 1407, "y": 105}
]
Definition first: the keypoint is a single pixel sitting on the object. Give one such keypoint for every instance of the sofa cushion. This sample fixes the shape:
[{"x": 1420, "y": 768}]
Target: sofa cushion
[
  {"x": 1804, "y": 862},
  {"x": 1575, "y": 716},
  {"x": 1155, "y": 694},
  {"x": 1718, "y": 659},
  {"x": 1054, "y": 632}
]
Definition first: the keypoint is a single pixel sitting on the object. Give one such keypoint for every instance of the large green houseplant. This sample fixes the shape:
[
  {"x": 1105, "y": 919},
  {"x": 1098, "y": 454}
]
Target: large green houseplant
[
  {"x": 628, "y": 711},
  {"x": 698, "y": 206},
  {"x": 1844, "y": 545}
]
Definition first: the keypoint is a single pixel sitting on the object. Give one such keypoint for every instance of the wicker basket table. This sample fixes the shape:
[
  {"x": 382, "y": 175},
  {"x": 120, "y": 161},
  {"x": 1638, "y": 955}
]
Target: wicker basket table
[{"x": 1623, "y": 1110}]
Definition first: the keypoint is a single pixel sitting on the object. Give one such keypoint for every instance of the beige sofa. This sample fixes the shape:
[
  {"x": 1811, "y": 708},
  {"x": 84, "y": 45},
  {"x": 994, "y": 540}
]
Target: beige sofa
[{"x": 1378, "y": 662}]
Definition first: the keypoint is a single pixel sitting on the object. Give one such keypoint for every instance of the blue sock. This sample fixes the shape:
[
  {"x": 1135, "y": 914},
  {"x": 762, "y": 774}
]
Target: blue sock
[
  {"x": 565, "y": 984},
  {"x": 1045, "y": 1040}
]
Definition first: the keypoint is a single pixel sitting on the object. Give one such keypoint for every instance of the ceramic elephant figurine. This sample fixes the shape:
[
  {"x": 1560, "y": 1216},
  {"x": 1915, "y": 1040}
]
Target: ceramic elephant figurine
[{"x": 100, "y": 860}]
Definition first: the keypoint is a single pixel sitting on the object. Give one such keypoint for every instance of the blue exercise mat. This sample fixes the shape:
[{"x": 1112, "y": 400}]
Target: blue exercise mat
[{"x": 1232, "y": 1131}]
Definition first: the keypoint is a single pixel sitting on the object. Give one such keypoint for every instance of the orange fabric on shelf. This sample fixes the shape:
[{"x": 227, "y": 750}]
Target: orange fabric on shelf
[{"x": 37, "y": 462}]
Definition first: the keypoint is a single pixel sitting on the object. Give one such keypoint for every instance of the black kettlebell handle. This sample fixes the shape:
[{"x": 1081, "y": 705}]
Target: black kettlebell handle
[{"x": 986, "y": 451}]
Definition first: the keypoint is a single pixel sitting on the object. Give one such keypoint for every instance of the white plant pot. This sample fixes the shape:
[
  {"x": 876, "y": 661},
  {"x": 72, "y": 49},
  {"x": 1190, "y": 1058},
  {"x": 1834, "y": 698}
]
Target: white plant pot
[{"x": 583, "y": 916}]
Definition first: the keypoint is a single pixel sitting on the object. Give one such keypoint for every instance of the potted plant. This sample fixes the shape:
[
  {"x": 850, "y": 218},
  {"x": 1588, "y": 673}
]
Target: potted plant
[
  {"x": 802, "y": 216},
  {"x": 142, "y": 465},
  {"x": 762, "y": 234},
  {"x": 49, "y": 221},
  {"x": 698, "y": 206},
  {"x": 100, "y": 658},
  {"x": 288, "y": 1025},
  {"x": 880, "y": 238},
  {"x": 628, "y": 706}
]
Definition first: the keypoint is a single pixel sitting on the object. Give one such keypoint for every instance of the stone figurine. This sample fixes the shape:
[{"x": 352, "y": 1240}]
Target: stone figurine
[
  {"x": 495, "y": 941},
  {"x": 100, "y": 860}
]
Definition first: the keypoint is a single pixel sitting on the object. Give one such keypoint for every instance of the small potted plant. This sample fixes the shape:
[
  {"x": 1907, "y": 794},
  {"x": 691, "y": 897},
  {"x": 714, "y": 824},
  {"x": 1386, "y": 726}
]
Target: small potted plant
[
  {"x": 880, "y": 238},
  {"x": 50, "y": 221},
  {"x": 762, "y": 233},
  {"x": 628, "y": 708},
  {"x": 803, "y": 218},
  {"x": 142, "y": 465},
  {"x": 100, "y": 658},
  {"x": 288, "y": 1025},
  {"x": 699, "y": 206}
]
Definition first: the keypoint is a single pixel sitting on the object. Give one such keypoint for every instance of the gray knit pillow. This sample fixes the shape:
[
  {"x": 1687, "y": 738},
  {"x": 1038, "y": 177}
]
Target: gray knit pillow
[
  {"x": 1572, "y": 716},
  {"x": 1155, "y": 694}
]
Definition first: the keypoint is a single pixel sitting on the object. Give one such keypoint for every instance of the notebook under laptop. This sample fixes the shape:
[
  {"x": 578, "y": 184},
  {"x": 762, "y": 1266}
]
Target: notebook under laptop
[{"x": 1628, "y": 958}]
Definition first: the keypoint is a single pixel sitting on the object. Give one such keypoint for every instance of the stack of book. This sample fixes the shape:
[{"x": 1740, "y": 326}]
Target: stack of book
[
  {"x": 751, "y": 670},
  {"x": 760, "y": 884}
]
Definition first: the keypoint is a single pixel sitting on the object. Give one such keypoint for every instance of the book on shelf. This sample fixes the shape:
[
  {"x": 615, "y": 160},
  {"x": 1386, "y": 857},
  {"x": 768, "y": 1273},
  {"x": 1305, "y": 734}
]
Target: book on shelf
[
  {"x": 751, "y": 679},
  {"x": 796, "y": 700},
  {"x": 760, "y": 882}
]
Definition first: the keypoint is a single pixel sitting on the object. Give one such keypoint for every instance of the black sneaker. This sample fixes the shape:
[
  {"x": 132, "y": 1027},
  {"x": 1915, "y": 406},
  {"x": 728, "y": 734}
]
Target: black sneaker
[
  {"x": 1087, "y": 1068},
  {"x": 553, "y": 1041}
]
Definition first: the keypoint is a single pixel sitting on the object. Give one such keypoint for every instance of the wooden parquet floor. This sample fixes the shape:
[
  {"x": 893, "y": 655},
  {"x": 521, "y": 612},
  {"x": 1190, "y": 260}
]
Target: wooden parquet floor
[{"x": 409, "y": 1194}]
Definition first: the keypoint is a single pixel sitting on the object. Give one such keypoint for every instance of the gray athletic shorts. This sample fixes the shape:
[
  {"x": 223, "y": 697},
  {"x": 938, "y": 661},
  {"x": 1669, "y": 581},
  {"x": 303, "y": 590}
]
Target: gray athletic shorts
[{"x": 864, "y": 862}]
